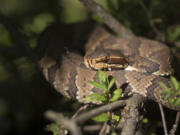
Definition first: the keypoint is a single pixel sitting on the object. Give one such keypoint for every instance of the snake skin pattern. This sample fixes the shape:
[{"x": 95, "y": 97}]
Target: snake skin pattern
[{"x": 148, "y": 64}]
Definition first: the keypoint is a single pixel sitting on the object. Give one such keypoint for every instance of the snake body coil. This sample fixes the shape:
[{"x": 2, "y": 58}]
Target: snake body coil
[{"x": 140, "y": 63}]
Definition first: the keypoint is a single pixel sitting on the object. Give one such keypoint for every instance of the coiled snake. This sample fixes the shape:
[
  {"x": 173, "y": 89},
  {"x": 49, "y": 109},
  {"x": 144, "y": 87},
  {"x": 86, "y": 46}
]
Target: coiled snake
[{"x": 140, "y": 63}]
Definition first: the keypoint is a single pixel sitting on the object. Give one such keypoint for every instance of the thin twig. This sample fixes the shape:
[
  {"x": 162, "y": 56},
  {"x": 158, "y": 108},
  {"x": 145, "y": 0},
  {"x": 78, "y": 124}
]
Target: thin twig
[
  {"x": 80, "y": 110},
  {"x": 108, "y": 19},
  {"x": 111, "y": 121},
  {"x": 87, "y": 115},
  {"x": 103, "y": 129},
  {"x": 92, "y": 128},
  {"x": 175, "y": 125},
  {"x": 163, "y": 119}
]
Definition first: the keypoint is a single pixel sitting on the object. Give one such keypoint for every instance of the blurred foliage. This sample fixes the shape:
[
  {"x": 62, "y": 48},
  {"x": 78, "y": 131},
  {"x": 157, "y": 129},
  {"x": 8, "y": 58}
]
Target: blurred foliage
[
  {"x": 173, "y": 33},
  {"x": 5, "y": 37},
  {"x": 70, "y": 14},
  {"x": 55, "y": 128},
  {"x": 38, "y": 23},
  {"x": 24, "y": 93}
]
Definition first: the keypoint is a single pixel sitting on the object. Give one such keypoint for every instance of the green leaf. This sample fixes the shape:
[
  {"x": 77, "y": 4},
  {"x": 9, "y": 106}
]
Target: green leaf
[
  {"x": 116, "y": 94},
  {"x": 111, "y": 83},
  {"x": 116, "y": 118},
  {"x": 102, "y": 77},
  {"x": 175, "y": 83},
  {"x": 103, "y": 117},
  {"x": 96, "y": 97},
  {"x": 98, "y": 86}
]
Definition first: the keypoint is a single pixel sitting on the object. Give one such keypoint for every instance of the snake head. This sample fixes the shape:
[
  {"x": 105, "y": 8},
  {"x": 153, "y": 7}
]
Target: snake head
[{"x": 106, "y": 60}]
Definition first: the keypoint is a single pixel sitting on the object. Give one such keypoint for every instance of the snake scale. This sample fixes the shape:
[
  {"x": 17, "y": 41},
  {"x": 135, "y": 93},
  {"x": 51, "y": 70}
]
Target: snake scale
[{"x": 138, "y": 63}]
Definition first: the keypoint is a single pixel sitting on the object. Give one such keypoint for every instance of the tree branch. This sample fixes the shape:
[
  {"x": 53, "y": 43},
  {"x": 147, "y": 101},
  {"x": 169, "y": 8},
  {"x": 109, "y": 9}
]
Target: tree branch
[
  {"x": 131, "y": 115},
  {"x": 92, "y": 128},
  {"x": 87, "y": 115},
  {"x": 109, "y": 20},
  {"x": 71, "y": 124}
]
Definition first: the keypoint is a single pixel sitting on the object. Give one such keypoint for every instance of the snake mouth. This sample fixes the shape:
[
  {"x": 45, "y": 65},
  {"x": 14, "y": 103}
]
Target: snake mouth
[{"x": 106, "y": 63}]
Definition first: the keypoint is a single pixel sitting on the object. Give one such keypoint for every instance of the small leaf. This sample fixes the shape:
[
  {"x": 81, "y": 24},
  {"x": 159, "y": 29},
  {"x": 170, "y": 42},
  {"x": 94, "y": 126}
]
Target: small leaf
[
  {"x": 145, "y": 120},
  {"x": 116, "y": 94},
  {"x": 171, "y": 101},
  {"x": 103, "y": 117},
  {"x": 102, "y": 77},
  {"x": 116, "y": 118},
  {"x": 96, "y": 97},
  {"x": 98, "y": 86},
  {"x": 175, "y": 83},
  {"x": 111, "y": 83}
]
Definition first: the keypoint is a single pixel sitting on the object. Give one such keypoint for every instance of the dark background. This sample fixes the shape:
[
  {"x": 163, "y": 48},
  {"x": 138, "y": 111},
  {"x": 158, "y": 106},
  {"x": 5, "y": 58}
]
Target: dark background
[{"x": 24, "y": 93}]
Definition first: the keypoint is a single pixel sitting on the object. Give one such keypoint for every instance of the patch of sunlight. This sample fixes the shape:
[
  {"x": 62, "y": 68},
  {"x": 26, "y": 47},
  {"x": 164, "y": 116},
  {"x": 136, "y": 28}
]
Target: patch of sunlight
[{"x": 73, "y": 11}]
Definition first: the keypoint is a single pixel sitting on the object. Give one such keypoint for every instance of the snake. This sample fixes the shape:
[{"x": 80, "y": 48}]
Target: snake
[{"x": 138, "y": 66}]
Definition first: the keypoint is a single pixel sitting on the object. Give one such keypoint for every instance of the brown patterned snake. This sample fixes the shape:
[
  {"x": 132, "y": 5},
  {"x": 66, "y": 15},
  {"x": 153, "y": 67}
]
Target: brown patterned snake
[{"x": 140, "y": 63}]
